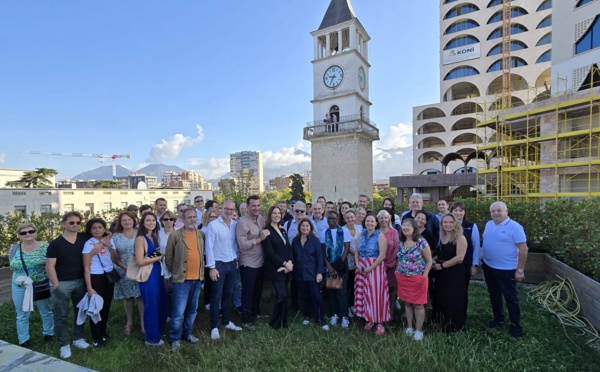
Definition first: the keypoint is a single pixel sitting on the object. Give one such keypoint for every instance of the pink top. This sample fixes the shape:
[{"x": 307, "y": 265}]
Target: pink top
[{"x": 391, "y": 255}]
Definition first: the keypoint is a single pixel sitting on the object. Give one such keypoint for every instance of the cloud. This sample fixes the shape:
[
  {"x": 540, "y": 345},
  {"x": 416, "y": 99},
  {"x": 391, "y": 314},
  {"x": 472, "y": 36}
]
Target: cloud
[
  {"x": 398, "y": 136},
  {"x": 210, "y": 168},
  {"x": 170, "y": 148},
  {"x": 285, "y": 157},
  {"x": 2, "y": 157}
]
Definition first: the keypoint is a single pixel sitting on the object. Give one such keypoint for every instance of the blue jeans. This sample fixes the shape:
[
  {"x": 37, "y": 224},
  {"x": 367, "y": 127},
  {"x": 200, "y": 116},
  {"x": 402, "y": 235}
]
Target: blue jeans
[
  {"x": 183, "y": 310},
  {"x": 237, "y": 290},
  {"x": 499, "y": 283},
  {"x": 222, "y": 291},
  {"x": 44, "y": 307}
]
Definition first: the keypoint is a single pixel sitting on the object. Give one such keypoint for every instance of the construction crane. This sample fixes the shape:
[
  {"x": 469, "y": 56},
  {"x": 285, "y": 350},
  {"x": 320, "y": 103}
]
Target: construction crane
[{"x": 101, "y": 156}]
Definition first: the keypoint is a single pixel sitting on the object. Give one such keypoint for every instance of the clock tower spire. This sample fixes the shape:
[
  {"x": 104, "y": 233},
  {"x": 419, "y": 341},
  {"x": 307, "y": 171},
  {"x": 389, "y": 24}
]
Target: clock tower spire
[{"x": 341, "y": 133}]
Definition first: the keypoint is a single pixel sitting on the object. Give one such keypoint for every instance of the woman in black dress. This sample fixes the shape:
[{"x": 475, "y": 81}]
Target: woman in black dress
[
  {"x": 278, "y": 264},
  {"x": 448, "y": 312}
]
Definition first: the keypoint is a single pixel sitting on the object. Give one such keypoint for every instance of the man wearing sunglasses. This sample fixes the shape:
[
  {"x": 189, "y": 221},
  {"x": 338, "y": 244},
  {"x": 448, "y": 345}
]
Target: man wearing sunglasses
[
  {"x": 199, "y": 204},
  {"x": 64, "y": 266}
]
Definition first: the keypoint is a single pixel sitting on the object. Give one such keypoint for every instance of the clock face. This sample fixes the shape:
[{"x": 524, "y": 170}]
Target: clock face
[
  {"x": 333, "y": 76},
  {"x": 362, "y": 79}
]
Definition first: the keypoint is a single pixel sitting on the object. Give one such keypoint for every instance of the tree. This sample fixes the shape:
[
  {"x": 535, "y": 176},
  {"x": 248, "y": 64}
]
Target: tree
[
  {"x": 106, "y": 184},
  {"x": 297, "y": 187},
  {"x": 39, "y": 178}
]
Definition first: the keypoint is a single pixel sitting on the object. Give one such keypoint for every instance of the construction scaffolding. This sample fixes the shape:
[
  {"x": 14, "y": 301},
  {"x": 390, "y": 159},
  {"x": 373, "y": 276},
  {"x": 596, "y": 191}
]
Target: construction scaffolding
[{"x": 548, "y": 148}]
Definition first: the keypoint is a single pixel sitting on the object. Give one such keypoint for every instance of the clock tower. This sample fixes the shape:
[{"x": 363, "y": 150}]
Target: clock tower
[{"x": 341, "y": 133}]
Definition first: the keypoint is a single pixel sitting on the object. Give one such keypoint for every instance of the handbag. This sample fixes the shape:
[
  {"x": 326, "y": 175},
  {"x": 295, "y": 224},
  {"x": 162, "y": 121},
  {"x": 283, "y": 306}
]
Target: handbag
[
  {"x": 41, "y": 289},
  {"x": 136, "y": 272},
  {"x": 334, "y": 282},
  {"x": 111, "y": 276}
]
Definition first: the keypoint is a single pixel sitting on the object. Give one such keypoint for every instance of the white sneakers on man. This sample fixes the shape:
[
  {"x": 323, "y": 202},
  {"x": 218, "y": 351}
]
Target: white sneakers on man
[
  {"x": 334, "y": 319},
  {"x": 81, "y": 344},
  {"x": 232, "y": 327},
  {"x": 214, "y": 334},
  {"x": 345, "y": 322},
  {"x": 65, "y": 351}
]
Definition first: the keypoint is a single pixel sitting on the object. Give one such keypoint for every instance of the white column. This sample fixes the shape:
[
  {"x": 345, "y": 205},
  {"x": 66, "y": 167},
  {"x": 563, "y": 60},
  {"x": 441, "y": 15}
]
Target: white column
[
  {"x": 327, "y": 44},
  {"x": 339, "y": 41},
  {"x": 317, "y": 49},
  {"x": 352, "y": 34}
]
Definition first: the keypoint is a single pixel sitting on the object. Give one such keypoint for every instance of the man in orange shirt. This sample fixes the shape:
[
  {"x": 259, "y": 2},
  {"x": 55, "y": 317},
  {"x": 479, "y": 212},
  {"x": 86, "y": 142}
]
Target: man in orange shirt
[{"x": 184, "y": 258}]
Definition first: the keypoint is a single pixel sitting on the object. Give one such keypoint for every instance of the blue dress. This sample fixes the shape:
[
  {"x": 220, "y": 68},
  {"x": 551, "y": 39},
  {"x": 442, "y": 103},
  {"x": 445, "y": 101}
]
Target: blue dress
[{"x": 155, "y": 300}]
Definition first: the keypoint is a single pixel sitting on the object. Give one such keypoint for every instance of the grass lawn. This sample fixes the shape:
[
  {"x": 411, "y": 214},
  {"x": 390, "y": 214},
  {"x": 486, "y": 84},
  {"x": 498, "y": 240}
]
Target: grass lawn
[{"x": 544, "y": 347}]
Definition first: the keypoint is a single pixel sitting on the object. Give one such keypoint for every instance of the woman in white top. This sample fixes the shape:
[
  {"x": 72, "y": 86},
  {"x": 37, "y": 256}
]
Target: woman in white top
[{"x": 94, "y": 267}]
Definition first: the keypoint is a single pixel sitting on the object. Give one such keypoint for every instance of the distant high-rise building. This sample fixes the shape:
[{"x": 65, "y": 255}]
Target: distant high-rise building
[
  {"x": 246, "y": 168},
  {"x": 188, "y": 180}
]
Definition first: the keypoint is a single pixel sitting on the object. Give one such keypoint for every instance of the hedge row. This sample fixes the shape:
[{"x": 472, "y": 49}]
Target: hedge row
[{"x": 565, "y": 228}]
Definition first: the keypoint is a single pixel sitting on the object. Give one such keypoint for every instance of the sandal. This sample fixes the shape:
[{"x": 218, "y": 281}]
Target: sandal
[
  {"x": 128, "y": 329},
  {"x": 368, "y": 326}
]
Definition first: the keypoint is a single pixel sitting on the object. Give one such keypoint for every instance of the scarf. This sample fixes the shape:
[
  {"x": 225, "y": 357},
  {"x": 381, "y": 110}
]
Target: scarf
[{"x": 334, "y": 253}]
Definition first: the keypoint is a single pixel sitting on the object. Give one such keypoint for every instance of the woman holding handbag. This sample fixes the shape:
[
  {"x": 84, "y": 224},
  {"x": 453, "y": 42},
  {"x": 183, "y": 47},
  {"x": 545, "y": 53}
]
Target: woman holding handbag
[
  {"x": 153, "y": 290},
  {"x": 28, "y": 260},
  {"x": 97, "y": 271}
]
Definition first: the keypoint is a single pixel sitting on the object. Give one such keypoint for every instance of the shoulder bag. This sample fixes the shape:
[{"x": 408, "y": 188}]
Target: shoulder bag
[
  {"x": 136, "y": 272},
  {"x": 111, "y": 276},
  {"x": 41, "y": 289}
]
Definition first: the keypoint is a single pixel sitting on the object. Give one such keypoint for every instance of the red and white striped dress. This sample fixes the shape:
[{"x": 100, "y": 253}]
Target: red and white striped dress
[{"x": 371, "y": 297}]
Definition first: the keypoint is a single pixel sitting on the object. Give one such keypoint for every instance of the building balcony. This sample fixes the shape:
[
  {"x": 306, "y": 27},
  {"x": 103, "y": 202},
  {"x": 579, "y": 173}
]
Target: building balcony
[{"x": 345, "y": 125}]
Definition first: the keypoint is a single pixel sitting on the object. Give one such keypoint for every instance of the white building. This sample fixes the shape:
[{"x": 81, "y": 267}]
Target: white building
[
  {"x": 471, "y": 76},
  {"x": 94, "y": 200},
  {"x": 246, "y": 167},
  {"x": 7, "y": 175}
]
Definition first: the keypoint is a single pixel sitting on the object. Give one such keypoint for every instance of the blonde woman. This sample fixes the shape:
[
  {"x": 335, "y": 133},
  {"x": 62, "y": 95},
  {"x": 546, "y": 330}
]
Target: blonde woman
[
  {"x": 450, "y": 291},
  {"x": 32, "y": 253}
]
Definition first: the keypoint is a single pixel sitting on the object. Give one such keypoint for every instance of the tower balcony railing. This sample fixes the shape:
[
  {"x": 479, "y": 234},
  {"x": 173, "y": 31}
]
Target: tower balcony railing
[{"x": 345, "y": 124}]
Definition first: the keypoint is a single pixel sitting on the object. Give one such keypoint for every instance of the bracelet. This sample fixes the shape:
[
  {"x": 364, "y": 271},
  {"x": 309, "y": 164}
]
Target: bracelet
[{"x": 442, "y": 265}]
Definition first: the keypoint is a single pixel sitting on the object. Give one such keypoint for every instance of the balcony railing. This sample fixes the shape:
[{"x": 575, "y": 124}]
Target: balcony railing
[{"x": 346, "y": 124}]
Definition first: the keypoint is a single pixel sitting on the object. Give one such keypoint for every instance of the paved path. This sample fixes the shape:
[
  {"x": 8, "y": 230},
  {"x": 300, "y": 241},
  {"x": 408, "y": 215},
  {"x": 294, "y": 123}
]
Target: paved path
[{"x": 15, "y": 359}]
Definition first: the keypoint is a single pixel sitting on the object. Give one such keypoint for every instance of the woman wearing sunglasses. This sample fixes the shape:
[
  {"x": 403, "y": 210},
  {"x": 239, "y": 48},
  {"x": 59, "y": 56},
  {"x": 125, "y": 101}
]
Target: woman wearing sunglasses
[{"x": 28, "y": 259}]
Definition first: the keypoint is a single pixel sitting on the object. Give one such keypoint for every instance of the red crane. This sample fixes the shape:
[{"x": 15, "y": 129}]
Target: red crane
[{"x": 101, "y": 156}]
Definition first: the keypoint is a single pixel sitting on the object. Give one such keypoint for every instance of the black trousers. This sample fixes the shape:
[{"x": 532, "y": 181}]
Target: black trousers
[
  {"x": 279, "y": 317},
  {"x": 104, "y": 290},
  {"x": 252, "y": 286}
]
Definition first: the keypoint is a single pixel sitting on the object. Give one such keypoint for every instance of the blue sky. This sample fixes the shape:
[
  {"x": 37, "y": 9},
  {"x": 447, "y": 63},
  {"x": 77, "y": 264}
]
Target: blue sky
[{"x": 188, "y": 82}]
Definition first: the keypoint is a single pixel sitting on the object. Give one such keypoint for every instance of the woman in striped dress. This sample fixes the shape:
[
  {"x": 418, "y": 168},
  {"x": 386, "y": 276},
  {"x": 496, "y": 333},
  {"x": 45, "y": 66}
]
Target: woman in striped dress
[{"x": 371, "y": 299}]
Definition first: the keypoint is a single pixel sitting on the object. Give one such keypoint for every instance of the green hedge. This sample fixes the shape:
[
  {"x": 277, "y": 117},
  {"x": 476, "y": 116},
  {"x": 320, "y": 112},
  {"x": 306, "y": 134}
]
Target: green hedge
[{"x": 564, "y": 228}]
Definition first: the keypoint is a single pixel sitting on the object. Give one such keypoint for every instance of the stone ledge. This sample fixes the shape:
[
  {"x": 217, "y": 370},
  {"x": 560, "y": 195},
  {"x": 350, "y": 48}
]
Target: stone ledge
[{"x": 16, "y": 358}]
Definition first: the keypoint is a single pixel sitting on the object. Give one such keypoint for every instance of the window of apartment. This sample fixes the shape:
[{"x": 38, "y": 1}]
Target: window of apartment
[
  {"x": 514, "y": 29},
  {"x": 107, "y": 206},
  {"x": 514, "y": 13},
  {"x": 69, "y": 207},
  {"x": 124, "y": 205},
  {"x": 514, "y": 45},
  {"x": 514, "y": 62},
  {"x": 545, "y": 5},
  {"x": 545, "y": 57},
  {"x": 461, "y": 10},
  {"x": 582, "y": 2},
  {"x": 460, "y": 72},
  {"x": 449, "y": 1},
  {"x": 21, "y": 209},
  {"x": 461, "y": 41},
  {"x": 89, "y": 207},
  {"x": 546, "y": 39},
  {"x": 546, "y": 22},
  {"x": 590, "y": 40},
  {"x": 461, "y": 26},
  {"x": 45, "y": 208}
]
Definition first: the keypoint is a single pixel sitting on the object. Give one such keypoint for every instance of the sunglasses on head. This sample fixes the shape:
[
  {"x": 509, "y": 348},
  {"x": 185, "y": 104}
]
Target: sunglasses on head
[
  {"x": 74, "y": 222},
  {"x": 168, "y": 219},
  {"x": 23, "y": 233}
]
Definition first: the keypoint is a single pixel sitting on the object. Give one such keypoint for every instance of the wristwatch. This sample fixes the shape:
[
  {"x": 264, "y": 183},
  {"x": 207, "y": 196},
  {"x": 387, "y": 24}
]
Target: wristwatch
[{"x": 520, "y": 271}]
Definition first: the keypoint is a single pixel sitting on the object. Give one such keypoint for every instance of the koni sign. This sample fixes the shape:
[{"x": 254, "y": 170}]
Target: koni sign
[{"x": 463, "y": 53}]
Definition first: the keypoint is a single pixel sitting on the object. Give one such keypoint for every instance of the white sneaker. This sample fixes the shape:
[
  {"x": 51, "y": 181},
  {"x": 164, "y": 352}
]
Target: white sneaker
[
  {"x": 418, "y": 336},
  {"x": 192, "y": 339},
  {"x": 398, "y": 306},
  {"x": 207, "y": 307},
  {"x": 325, "y": 327},
  {"x": 305, "y": 321},
  {"x": 214, "y": 334},
  {"x": 65, "y": 351},
  {"x": 81, "y": 344},
  {"x": 175, "y": 346},
  {"x": 410, "y": 331},
  {"x": 159, "y": 343},
  {"x": 334, "y": 319},
  {"x": 233, "y": 327},
  {"x": 345, "y": 322}
]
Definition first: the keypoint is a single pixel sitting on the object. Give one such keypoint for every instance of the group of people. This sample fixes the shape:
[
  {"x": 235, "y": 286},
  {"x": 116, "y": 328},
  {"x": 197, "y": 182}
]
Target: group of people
[{"x": 381, "y": 258}]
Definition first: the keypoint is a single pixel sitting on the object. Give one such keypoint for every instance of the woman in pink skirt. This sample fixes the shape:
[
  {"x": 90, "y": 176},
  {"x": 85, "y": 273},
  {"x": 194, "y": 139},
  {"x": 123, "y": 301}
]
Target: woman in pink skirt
[
  {"x": 415, "y": 262},
  {"x": 371, "y": 299}
]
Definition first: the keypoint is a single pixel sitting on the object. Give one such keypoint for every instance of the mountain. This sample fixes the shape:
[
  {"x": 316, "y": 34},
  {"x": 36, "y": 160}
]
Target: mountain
[
  {"x": 158, "y": 170},
  {"x": 101, "y": 173},
  {"x": 392, "y": 162}
]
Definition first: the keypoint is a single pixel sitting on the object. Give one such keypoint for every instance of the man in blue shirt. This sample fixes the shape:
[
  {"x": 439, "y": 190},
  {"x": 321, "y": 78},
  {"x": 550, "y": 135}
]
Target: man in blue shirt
[{"x": 504, "y": 258}]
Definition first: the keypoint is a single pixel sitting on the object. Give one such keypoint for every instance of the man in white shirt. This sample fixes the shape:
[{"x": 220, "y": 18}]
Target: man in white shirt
[{"x": 221, "y": 258}]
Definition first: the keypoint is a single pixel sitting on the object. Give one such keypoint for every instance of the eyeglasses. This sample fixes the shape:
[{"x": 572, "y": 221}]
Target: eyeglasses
[
  {"x": 23, "y": 233},
  {"x": 300, "y": 211},
  {"x": 168, "y": 219},
  {"x": 199, "y": 201},
  {"x": 74, "y": 223},
  {"x": 213, "y": 217}
]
